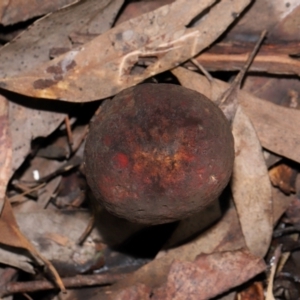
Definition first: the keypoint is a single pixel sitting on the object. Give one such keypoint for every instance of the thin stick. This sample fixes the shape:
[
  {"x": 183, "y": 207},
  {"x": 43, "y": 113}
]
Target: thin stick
[
  {"x": 69, "y": 130},
  {"x": 87, "y": 230},
  {"x": 15, "y": 197},
  {"x": 228, "y": 102},
  {"x": 202, "y": 69},
  {"x": 236, "y": 84},
  {"x": 69, "y": 282}
]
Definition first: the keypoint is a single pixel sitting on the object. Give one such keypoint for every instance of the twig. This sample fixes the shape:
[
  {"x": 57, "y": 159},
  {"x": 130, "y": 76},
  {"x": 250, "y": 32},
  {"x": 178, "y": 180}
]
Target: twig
[
  {"x": 202, "y": 69},
  {"x": 15, "y": 198},
  {"x": 69, "y": 130},
  {"x": 27, "y": 296},
  {"x": 69, "y": 282},
  {"x": 228, "y": 101},
  {"x": 272, "y": 58},
  {"x": 87, "y": 230}
]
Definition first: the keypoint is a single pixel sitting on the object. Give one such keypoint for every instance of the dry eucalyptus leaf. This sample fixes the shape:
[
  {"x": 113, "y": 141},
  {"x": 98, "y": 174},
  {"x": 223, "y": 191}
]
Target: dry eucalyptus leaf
[
  {"x": 15, "y": 11},
  {"x": 12, "y": 236},
  {"x": 283, "y": 90},
  {"x": 5, "y": 150},
  {"x": 85, "y": 74},
  {"x": 137, "y": 8},
  {"x": 282, "y": 22},
  {"x": 57, "y": 234},
  {"x": 55, "y": 238},
  {"x": 226, "y": 235},
  {"x": 33, "y": 46},
  {"x": 108, "y": 229},
  {"x": 277, "y": 10},
  {"x": 27, "y": 124},
  {"x": 135, "y": 292},
  {"x": 251, "y": 187},
  {"x": 209, "y": 275},
  {"x": 276, "y": 126},
  {"x": 29, "y": 49},
  {"x": 97, "y": 17},
  {"x": 17, "y": 259}
]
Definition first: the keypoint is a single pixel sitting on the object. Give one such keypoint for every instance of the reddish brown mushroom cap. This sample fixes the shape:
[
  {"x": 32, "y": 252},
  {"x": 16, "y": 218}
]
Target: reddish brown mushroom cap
[{"x": 158, "y": 153}]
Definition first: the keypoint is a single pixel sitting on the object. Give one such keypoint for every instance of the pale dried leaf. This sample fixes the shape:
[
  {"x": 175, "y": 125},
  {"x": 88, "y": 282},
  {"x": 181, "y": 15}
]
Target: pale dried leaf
[
  {"x": 29, "y": 50},
  {"x": 109, "y": 230},
  {"x": 15, "y": 11},
  {"x": 27, "y": 124},
  {"x": 276, "y": 11},
  {"x": 281, "y": 21},
  {"x": 17, "y": 259},
  {"x": 209, "y": 275},
  {"x": 226, "y": 235},
  {"x": 12, "y": 236},
  {"x": 283, "y": 90},
  {"x": 53, "y": 228},
  {"x": 251, "y": 187},
  {"x": 137, "y": 8},
  {"x": 85, "y": 74},
  {"x": 135, "y": 292},
  {"x": 276, "y": 126},
  {"x": 5, "y": 150}
]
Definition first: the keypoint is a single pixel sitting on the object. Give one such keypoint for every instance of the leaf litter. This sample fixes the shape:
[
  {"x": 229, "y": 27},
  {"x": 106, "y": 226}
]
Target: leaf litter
[
  {"x": 77, "y": 55},
  {"x": 163, "y": 35}
]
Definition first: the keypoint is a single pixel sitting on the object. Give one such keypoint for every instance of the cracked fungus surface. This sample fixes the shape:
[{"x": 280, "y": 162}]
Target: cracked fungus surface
[{"x": 158, "y": 153}]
